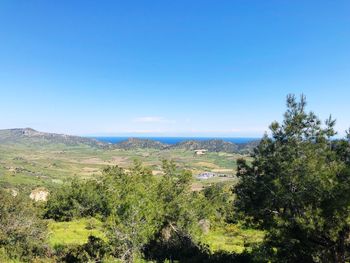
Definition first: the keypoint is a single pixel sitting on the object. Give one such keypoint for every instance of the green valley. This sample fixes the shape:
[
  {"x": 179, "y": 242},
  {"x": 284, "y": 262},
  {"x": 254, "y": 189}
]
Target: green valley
[{"x": 48, "y": 160}]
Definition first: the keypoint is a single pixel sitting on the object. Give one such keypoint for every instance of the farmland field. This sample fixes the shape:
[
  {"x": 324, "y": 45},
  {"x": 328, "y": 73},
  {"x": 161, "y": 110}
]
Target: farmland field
[{"x": 35, "y": 165}]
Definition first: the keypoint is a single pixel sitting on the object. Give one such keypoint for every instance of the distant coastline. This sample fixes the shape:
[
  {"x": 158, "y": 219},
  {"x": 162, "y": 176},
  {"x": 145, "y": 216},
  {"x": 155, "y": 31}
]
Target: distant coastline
[{"x": 175, "y": 140}]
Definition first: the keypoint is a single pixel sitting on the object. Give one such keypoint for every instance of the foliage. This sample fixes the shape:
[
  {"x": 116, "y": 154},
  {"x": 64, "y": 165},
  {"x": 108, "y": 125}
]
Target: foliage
[
  {"x": 233, "y": 238},
  {"x": 182, "y": 208},
  {"x": 94, "y": 250},
  {"x": 145, "y": 209},
  {"x": 135, "y": 206},
  {"x": 22, "y": 232},
  {"x": 181, "y": 248},
  {"x": 134, "y": 209},
  {"x": 79, "y": 199},
  {"x": 220, "y": 198},
  {"x": 298, "y": 189}
]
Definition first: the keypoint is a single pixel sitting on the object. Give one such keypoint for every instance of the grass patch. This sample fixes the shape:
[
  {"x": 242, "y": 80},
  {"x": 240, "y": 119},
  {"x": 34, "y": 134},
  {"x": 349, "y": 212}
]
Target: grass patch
[
  {"x": 74, "y": 232},
  {"x": 232, "y": 238}
]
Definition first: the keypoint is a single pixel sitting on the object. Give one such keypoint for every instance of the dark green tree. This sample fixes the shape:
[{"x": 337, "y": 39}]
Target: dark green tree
[{"x": 298, "y": 189}]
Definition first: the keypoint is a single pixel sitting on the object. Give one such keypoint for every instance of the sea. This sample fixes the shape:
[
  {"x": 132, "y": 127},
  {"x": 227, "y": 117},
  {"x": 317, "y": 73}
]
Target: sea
[{"x": 174, "y": 140}]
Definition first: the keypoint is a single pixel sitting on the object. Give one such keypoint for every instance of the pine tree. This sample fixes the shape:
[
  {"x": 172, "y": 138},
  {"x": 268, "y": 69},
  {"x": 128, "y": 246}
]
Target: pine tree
[{"x": 298, "y": 188}]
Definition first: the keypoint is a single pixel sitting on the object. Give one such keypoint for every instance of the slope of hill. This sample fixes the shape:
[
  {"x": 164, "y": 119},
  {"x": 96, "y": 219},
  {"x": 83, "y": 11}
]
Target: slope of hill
[
  {"x": 137, "y": 143},
  {"x": 210, "y": 145},
  {"x": 248, "y": 148},
  {"x": 31, "y": 136}
]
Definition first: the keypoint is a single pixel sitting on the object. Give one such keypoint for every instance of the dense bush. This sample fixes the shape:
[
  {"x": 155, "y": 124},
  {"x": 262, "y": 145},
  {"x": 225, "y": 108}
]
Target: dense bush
[
  {"x": 142, "y": 206},
  {"x": 78, "y": 199},
  {"x": 94, "y": 250}
]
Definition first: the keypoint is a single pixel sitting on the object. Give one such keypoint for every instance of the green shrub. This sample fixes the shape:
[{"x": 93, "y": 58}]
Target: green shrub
[
  {"x": 79, "y": 199},
  {"x": 93, "y": 251}
]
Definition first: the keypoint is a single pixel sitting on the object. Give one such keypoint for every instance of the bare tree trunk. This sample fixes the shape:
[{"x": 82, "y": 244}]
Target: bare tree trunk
[
  {"x": 341, "y": 247},
  {"x": 339, "y": 252}
]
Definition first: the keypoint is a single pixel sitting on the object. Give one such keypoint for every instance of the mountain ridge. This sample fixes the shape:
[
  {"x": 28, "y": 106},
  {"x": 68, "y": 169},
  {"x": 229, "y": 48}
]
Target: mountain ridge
[
  {"x": 134, "y": 143},
  {"x": 32, "y": 136},
  {"x": 212, "y": 145}
]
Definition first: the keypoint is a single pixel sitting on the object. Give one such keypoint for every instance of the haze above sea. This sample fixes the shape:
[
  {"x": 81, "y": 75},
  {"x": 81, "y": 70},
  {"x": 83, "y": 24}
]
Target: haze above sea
[{"x": 174, "y": 140}]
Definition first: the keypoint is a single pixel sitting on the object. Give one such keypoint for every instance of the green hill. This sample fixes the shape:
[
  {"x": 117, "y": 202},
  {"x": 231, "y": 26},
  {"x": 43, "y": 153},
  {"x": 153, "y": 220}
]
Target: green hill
[
  {"x": 31, "y": 136},
  {"x": 209, "y": 145},
  {"x": 137, "y": 143}
]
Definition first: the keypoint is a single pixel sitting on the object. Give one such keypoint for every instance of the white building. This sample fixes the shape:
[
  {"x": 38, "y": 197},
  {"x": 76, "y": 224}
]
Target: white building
[
  {"x": 200, "y": 152},
  {"x": 205, "y": 175}
]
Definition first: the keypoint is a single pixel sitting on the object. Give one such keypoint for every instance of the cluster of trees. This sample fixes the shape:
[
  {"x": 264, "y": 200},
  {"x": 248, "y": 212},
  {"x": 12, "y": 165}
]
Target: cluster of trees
[
  {"x": 297, "y": 189},
  {"x": 142, "y": 213}
]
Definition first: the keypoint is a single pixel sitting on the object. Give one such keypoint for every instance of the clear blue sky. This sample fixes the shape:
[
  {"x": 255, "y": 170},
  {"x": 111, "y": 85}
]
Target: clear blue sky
[{"x": 191, "y": 68}]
